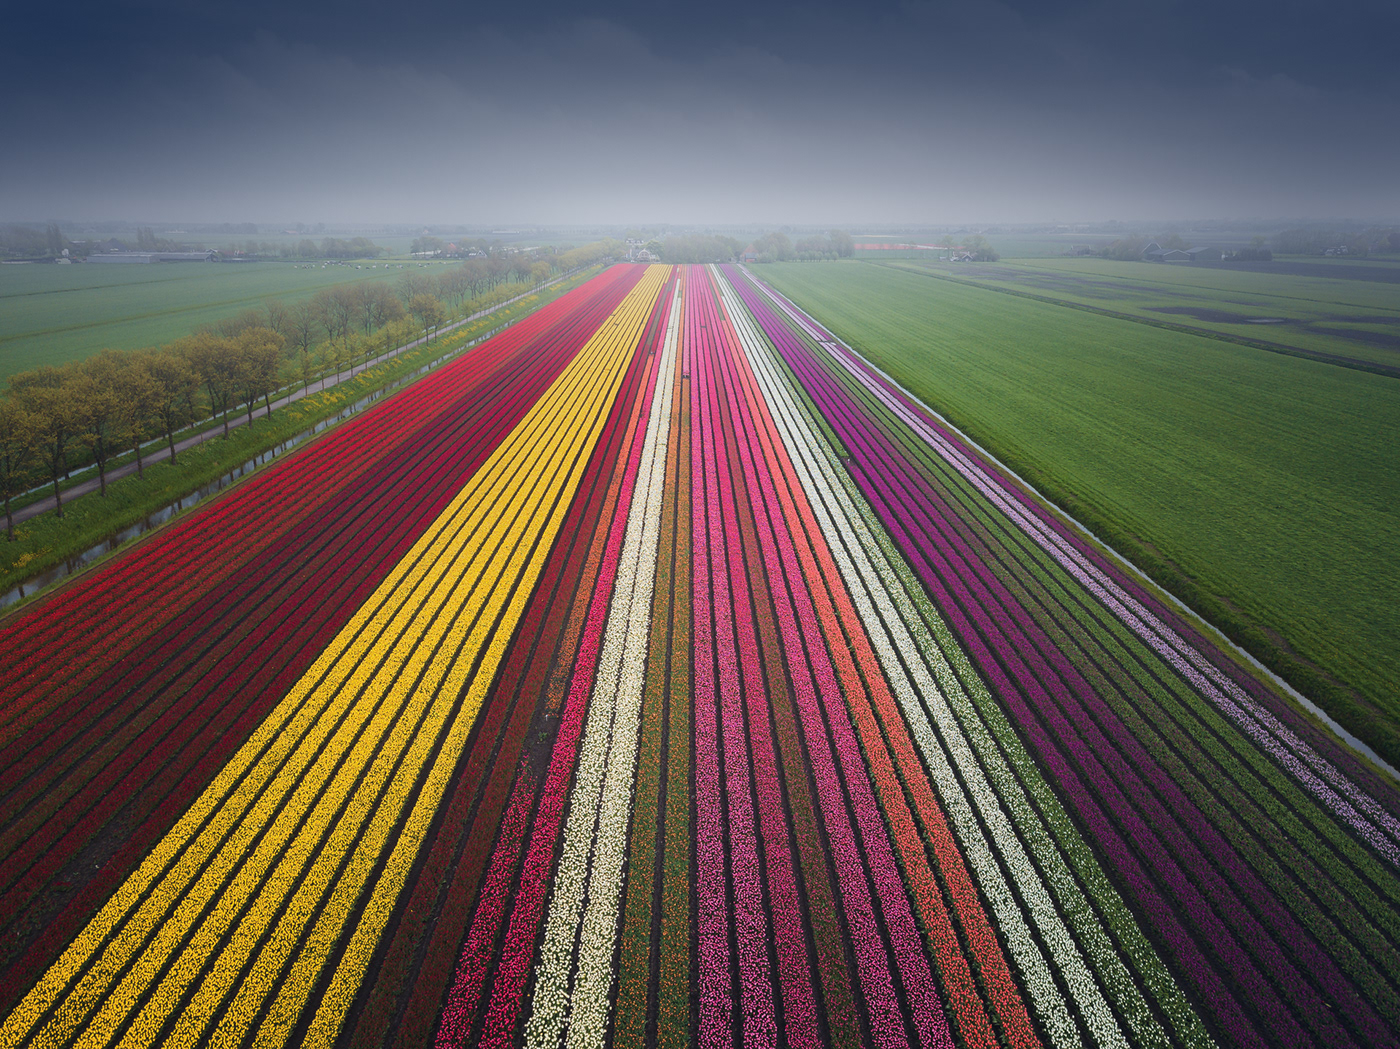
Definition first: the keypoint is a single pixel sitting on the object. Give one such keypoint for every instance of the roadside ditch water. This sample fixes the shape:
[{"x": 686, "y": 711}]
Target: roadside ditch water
[{"x": 58, "y": 572}]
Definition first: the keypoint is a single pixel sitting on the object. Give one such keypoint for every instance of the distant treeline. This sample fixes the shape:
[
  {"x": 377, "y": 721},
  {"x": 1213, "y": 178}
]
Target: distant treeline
[
  {"x": 49, "y": 242},
  {"x": 776, "y": 246},
  {"x": 1375, "y": 240},
  {"x": 54, "y": 419}
]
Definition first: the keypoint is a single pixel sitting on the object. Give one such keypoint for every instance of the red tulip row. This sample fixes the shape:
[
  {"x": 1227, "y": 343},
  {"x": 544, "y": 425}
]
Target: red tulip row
[
  {"x": 494, "y": 961},
  {"x": 1250, "y": 946},
  {"x": 905, "y": 793},
  {"x": 140, "y": 737}
]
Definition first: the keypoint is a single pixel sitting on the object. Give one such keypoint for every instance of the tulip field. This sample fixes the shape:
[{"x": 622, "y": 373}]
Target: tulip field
[{"x": 660, "y": 673}]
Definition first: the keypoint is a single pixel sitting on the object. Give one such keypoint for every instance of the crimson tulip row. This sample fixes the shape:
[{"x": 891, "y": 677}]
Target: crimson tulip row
[
  {"x": 493, "y": 964},
  {"x": 283, "y": 581},
  {"x": 190, "y": 556}
]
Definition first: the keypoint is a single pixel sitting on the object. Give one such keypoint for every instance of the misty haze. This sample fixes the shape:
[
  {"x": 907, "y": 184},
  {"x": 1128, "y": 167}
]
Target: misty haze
[{"x": 766, "y": 525}]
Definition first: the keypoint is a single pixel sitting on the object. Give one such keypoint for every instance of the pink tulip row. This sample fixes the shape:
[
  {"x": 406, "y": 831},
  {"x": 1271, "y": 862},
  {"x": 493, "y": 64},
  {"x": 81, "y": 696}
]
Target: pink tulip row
[
  {"x": 1239, "y": 919},
  {"x": 265, "y": 586},
  {"x": 885, "y": 739},
  {"x": 727, "y": 681},
  {"x": 532, "y": 884}
]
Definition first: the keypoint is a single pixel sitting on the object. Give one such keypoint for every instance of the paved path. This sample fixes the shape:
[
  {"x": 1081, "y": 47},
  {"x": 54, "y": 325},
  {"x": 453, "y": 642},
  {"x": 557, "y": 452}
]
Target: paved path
[{"x": 161, "y": 454}]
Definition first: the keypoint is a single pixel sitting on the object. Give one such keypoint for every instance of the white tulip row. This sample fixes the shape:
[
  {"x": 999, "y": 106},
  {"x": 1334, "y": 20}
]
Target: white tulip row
[
  {"x": 911, "y": 660},
  {"x": 1319, "y": 777},
  {"x": 600, "y": 800}
]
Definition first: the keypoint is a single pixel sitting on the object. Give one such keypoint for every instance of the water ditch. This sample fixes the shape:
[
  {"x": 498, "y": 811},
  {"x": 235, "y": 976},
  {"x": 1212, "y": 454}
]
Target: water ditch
[{"x": 59, "y": 572}]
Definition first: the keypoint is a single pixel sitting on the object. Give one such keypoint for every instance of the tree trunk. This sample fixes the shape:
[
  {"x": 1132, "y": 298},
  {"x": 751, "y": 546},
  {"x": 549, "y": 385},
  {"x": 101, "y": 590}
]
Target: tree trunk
[
  {"x": 57, "y": 495},
  {"x": 170, "y": 439},
  {"x": 226, "y": 422},
  {"x": 102, "y": 476},
  {"x": 9, "y": 518},
  {"x": 267, "y": 400},
  {"x": 140, "y": 465}
]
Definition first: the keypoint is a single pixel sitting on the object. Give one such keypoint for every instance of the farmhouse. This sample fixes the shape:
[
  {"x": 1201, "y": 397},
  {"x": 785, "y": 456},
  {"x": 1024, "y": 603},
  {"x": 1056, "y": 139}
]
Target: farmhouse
[{"x": 1154, "y": 252}]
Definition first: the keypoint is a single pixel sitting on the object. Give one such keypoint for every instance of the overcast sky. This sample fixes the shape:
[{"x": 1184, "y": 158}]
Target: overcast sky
[{"x": 720, "y": 112}]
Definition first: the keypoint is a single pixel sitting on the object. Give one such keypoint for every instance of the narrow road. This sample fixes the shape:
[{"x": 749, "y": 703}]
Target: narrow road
[{"x": 92, "y": 484}]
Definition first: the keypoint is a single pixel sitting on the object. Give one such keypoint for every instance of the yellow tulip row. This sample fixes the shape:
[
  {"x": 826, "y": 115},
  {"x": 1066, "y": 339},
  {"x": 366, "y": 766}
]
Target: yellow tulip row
[{"x": 270, "y": 864}]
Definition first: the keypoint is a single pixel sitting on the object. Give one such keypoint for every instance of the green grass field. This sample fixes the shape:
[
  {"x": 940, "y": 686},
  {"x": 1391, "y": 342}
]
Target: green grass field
[
  {"x": 1356, "y": 320},
  {"x": 1261, "y": 487},
  {"x": 54, "y": 314}
]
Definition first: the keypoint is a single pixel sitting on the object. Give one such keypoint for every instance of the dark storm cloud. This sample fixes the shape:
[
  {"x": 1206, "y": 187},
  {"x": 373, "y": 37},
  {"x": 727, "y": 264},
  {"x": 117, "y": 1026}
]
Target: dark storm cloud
[{"x": 723, "y": 112}]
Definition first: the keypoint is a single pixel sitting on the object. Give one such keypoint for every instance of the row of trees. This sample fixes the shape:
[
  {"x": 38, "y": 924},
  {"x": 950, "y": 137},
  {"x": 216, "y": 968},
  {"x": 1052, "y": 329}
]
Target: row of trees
[
  {"x": 1302, "y": 241},
  {"x": 1319, "y": 241},
  {"x": 771, "y": 247},
  {"x": 55, "y": 418},
  {"x": 118, "y": 400},
  {"x": 93, "y": 410}
]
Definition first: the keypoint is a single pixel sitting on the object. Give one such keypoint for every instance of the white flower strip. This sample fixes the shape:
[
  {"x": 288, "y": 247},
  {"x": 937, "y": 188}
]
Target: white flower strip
[
  {"x": 1338, "y": 793},
  {"x": 878, "y": 595},
  {"x": 1047, "y": 1000},
  {"x": 600, "y": 801}
]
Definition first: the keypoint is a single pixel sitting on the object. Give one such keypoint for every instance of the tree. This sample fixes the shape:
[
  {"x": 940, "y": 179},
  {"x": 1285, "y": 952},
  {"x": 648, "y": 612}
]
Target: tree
[
  {"x": 277, "y": 315},
  {"x": 335, "y": 309},
  {"x": 259, "y": 355},
  {"x": 302, "y": 324},
  {"x": 332, "y": 356},
  {"x": 46, "y": 394},
  {"x": 776, "y": 246},
  {"x": 413, "y": 283},
  {"x": 398, "y": 332},
  {"x": 841, "y": 240},
  {"x": 981, "y": 250},
  {"x": 429, "y": 312},
  {"x": 97, "y": 409},
  {"x": 138, "y": 398},
  {"x": 307, "y": 368},
  {"x": 174, "y": 383},
  {"x": 378, "y": 305},
  {"x": 18, "y": 439},
  {"x": 232, "y": 327},
  {"x": 215, "y": 361}
]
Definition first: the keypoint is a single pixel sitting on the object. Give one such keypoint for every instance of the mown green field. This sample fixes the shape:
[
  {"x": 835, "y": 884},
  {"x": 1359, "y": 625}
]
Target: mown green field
[
  {"x": 1262, "y": 487},
  {"x": 54, "y": 314},
  {"x": 1356, "y": 320}
]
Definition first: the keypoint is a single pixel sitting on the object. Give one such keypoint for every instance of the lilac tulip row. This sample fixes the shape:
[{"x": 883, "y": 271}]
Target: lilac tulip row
[
  {"x": 1352, "y": 804},
  {"x": 1143, "y": 815},
  {"x": 905, "y": 666}
]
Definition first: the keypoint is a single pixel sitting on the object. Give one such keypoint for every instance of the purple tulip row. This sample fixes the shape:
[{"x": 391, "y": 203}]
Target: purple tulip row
[
  {"x": 1242, "y": 699},
  {"x": 1158, "y": 840}
]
